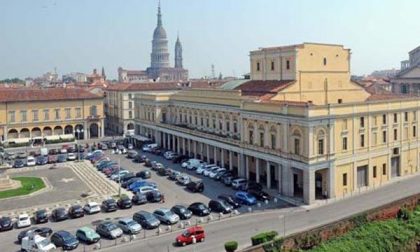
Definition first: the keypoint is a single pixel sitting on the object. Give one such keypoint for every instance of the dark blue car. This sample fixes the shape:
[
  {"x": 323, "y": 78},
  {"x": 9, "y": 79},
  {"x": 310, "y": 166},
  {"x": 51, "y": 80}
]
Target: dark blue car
[{"x": 245, "y": 198}]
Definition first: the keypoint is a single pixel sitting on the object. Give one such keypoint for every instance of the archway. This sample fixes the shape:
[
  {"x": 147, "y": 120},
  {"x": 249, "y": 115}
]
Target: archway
[
  {"x": 47, "y": 131},
  {"x": 130, "y": 126},
  {"x": 79, "y": 131},
  {"x": 12, "y": 134},
  {"x": 68, "y": 129},
  {"x": 93, "y": 130},
  {"x": 24, "y": 133},
  {"x": 58, "y": 130},
  {"x": 36, "y": 132}
]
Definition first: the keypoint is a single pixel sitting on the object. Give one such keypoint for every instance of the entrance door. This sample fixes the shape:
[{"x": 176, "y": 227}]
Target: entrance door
[
  {"x": 395, "y": 167},
  {"x": 297, "y": 190},
  {"x": 318, "y": 185},
  {"x": 362, "y": 176}
]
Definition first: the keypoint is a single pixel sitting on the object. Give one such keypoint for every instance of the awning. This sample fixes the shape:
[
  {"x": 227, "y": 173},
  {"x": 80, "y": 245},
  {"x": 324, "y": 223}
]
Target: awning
[
  {"x": 67, "y": 136},
  {"x": 20, "y": 140},
  {"x": 140, "y": 138},
  {"x": 55, "y": 137}
]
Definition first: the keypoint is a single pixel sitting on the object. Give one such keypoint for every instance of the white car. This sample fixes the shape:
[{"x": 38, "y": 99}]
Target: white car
[
  {"x": 23, "y": 221},
  {"x": 92, "y": 208},
  {"x": 214, "y": 173},
  {"x": 30, "y": 161},
  {"x": 130, "y": 146},
  {"x": 149, "y": 147},
  {"x": 71, "y": 156},
  {"x": 183, "y": 179},
  {"x": 210, "y": 170},
  {"x": 185, "y": 164},
  {"x": 63, "y": 151},
  {"x": 36, "y": 243},
  {"x": 202, "y": 168}
]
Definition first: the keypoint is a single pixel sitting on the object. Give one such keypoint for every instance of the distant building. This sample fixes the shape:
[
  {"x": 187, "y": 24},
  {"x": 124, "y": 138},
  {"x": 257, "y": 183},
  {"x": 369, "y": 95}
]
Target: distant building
[
  {"x": 407, "y": 81},
  {"x": 159, "y": 69},
  {"x": 388, "y": 73},
  {"x": 75, "y": 77}
]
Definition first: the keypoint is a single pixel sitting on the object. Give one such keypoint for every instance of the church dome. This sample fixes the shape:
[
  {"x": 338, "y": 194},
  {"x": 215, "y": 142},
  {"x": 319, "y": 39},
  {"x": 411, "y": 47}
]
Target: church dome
[{"x": 159, "y": 33}]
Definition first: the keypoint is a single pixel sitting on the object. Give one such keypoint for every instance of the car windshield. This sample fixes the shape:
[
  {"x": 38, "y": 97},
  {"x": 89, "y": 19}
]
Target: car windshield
[
  {"x": 23, "y": 218},
  {"x": 149, "y": 217},
  {"x": 44, "y": 243},
  {"x": 67, "y": 237},
  {"x": 131, "y": 223},
  {"x": 182, "y": 210},
  {"x": 200, "y": 206},
  {"x": 186, "y": 233}
]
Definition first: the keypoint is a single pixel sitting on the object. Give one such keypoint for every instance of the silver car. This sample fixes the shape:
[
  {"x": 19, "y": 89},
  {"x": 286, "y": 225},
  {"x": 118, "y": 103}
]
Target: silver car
[
  {"x": 166, "y": 216},
  {"x": 183, "y": 179},
  {"x": 129, "y": 226}
]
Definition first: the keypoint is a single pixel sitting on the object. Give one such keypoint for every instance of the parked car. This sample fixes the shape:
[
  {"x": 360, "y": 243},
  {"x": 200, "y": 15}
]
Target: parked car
[
  {"x": 149, "y": 147},
  {"x": 183, "y": 212},
  {"x": 166, "y": 216},
  {"x": 202, "y": 168},
  {"x": 109, "y": 230},
  {"x": 19, "y": 163},
  {"x": 174, "y": 175},
  {"x": 199, "y": 209},
  {"x": 119, "y": 174},
  {"x": 42, "y": 160},
  {"x": 124, "y": 203},
  {"x": 238, "y": 183},
  {"x": 187, "y": 236},
  {"x": 169, "y": 155},
  {"x": 41, "y": 216},
  {"x": 140, "y": 158},
  {"x": 154, "y": 196},
  {"x": 146, "y": 220},
  {"x": 221, "y": 173},
  {"x": 156, "y": 151},
  {"x": 145, "y": 188},
  {"x": 23, "y": 220},
  {"x": 259, "y": 194},
  {"x": 131, "y": 154},
  {"x": 59, "y": 214},
  {"x": 245, "y": 198},
  {"x": 213, "y": 173},
  {"x": 76, "y": 211},
  {"x": 61, "y": 158},
  {"x": 103, "y": 146},
  {"x": 92, "y": 208},
  {"x": 6, "y": 223},
  {"x": 144, "y": 174},
  {"x": 130, "y": 146},
  {"x": 129, "y": 226},
  {"x": 127, "y": 177},
  {"x": 71, "y": 156},
  {"x": 251, "y": 185},
  {"x": 162, "y": 171},
  {"x": 183, "y": 179},
  {"x": 127, "y": 183},
  {"x": 210, "y": 171},
  {"x": 220, "y": 206},
  {"x": 195, "y": 186},
  {"x": 42, "y": 231},
  {"x": 230, "y": 200},
  {"x": 179, "y": 159},
  {"x": 227, "y": 180},
  {"x": 139, "y": 198},
  {"x": 87, "y": 235},
  {"x": 30, "y": 161},
  {"x": 65, "y": 240},
  {"x": 148, "y": 162},
  {"x": 109, "y": 205},
  {"x": 121, "y": 149},
  {"x": 52, "y": 159}
]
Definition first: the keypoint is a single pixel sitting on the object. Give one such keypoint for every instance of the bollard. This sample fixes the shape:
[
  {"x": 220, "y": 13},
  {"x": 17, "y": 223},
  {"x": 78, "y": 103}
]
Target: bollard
[
  {"x": 236, "y": 212},
  {"x": 266, "y": 202},
  {"x": 132, "y": 237},
  {"x": 158, "y": 231},
  {"x": 250, "y": 209},
  {"x": 275, "y": 200},
  {"x": 169, "y": 228},
  {"x": 209, "y": 218},
  {"x": 194, "y": 240},
  {"x": 188, "y": 223},
  {"x": 258, "y": 204},
  {"x": 220, "y": 215},
  {"x": 181, "y": 225}
]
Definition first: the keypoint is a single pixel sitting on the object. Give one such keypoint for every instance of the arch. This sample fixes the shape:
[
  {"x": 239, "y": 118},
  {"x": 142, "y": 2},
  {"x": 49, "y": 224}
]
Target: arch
[
  {"x": 130, "y": 126},
  {"x": 68, "y": 129},
  {"x": 320, "y": 134},
  {"x": 261, "y": 127},
  {"x": 25, "y": 133},
  {"x": 273, "y": 129},
  {"x": 79, "y": 132},
  {"x": 47, "y": 131},
  {"x": 94, "y": 130},
  {"x": 297, "y": 132},
  {"x": 36, "y": 132},
  {"x": 58, "y": 130},
  {"x": 12, "y": 134}
]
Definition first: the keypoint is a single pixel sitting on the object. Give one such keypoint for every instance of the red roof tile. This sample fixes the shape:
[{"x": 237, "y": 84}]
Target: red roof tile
[
  {"x": 49, "y": 94},
  {"x": 160, "y": 86}
]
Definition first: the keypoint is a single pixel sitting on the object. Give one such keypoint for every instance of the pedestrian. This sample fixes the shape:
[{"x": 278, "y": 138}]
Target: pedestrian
[{"x": 162, "y": 198}]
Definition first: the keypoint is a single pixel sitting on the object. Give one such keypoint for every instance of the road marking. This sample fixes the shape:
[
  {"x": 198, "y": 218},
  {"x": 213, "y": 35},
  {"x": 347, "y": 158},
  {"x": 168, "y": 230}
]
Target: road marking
[{"x": 67, "y": 180}]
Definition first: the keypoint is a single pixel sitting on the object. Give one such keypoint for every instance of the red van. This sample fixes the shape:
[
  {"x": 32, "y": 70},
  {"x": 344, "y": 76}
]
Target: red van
[{"x": 187, "y": 236}]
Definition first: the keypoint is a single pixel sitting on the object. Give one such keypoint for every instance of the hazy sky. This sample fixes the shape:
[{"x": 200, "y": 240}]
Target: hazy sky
[{"x": 79, "y": 35}]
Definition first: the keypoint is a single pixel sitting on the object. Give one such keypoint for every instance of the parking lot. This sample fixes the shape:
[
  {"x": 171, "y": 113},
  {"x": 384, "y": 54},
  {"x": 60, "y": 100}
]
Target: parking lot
[{"x": 174, "y": 194}]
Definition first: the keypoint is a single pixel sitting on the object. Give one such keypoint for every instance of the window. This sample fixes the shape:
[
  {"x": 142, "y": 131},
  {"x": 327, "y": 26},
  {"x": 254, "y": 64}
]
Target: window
[
  {"x": 362, "y": 122},
  {"x": 344, "y": 143},
  {"x": 339, "y": 101},
  {"x": 325, "y": 61},
  {"x": 384, "y": 136},
  {"x": 384, "y": 119},
  {"x": 130, "y": 114},
  {"x": 273, "y": 141},
  {"x": 395, "y": 118},
  {"x": 251, "y": 137},
  {"x": 395, "y": 134},
  {"x": 78, "y": 113},
  {"x": 46, "y": 115},
  {"x": 374, "y": 171},
  {"x": 258, "y": 66},
  {"x": 201, "y": 121},
  {"x": 320, "y": 146},
  {"x": 344, "y": 179},
  {"x": 374, "y": 138},
  {"x": 130, "y": 96},
  {"x": 261, "y": 139},
  {"x": 405, "y": 116},
  {"x": 35, "y": 115},
  {"x": 93, "y": 110},
  {"x": 195, "y": 120},
  {"x": 235, "y": 127},
  {"x": 362, "y": 140},
  {"x": 23, "y": 116},
  {"x": 227, "y": 126},
  {"x": 272, "y": 65},
  {"x": 297, "y": 146},
  {"x": 130, "y": 105},
  {"x": 67, "y": 111},
  {"x": 12, "y": 117},
  {"x": 375, "y": 120},
  {"x": 414, "y": 116},
  {"x": 287, "y": 64},
  {"x": 344, "y": 124},
  {"x": 57, "y": 114},
  {"x": 383, "y": 169},
  {"x": 414, "y": 131}
]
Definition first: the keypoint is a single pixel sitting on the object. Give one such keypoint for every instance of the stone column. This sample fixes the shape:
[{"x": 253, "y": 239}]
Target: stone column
[
  {"x": 189, "y": 146},
  {"x": 287, "y": 180},
  {"x": 222, "y": 158},
  {"x": 247, "y": 167},
  {"x": 164, "y": 140},
  {"x": 230, "y": 160},
  {"x": 178, "y": 146},
  {"x": 208, "y": 153},
  {"x": 308, "y": 186},
  {"x": 173, "y": 143},
  {"x": 184, "y": 151},
  {"x": 331, "y": 182},
  {"x": 215, "y": 154},
  {"x": 279, "y": 178},
  {"x": 257, "y": 170},
  {"x": 241, "y": 163},
  {"x": 102, "y": 128},
  {"x": 195, "y": 149},
  {"x": 268, "y": 172}
]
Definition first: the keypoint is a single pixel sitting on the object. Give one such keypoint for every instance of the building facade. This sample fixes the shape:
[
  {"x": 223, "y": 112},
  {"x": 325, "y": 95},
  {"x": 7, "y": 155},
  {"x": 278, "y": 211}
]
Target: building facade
[
  {"x": 407, "y": 81},
  {"x": 30, "y": 114},
  {"x": 160, "y": 69},
  {"x": 287, "y": 127}
]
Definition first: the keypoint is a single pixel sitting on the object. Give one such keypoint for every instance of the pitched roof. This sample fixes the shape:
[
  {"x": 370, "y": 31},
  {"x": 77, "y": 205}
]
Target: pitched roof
[
  {"x": 158, "y": 86},
  {"x": 49, "y": 94},
  {"x": 264, "y": 89}
]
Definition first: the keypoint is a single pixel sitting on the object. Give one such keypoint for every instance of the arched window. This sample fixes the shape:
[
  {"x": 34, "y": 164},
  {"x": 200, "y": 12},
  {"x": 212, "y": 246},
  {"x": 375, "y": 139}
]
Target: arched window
[
  {"x": 273, "y": 134},
  {"x": 296, "y": 142},
  {"x": 321, "y": 142},
  {"x": 251, "y": 133},
  {"x": 262, "y": 135},
  {"x": 325, "y": 61}
]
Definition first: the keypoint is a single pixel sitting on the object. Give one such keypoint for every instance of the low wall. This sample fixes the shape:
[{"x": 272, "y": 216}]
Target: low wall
[{"x": 313, "y": 237}]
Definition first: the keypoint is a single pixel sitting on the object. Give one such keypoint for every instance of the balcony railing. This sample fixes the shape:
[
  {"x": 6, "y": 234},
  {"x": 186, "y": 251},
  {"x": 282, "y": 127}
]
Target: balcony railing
[{"x": 93, "y": 117}]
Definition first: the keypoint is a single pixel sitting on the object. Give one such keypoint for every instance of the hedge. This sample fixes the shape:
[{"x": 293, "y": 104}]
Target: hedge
[
  {"x": 263, "y": 237},
  {"x": 231, "y": 246}
]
